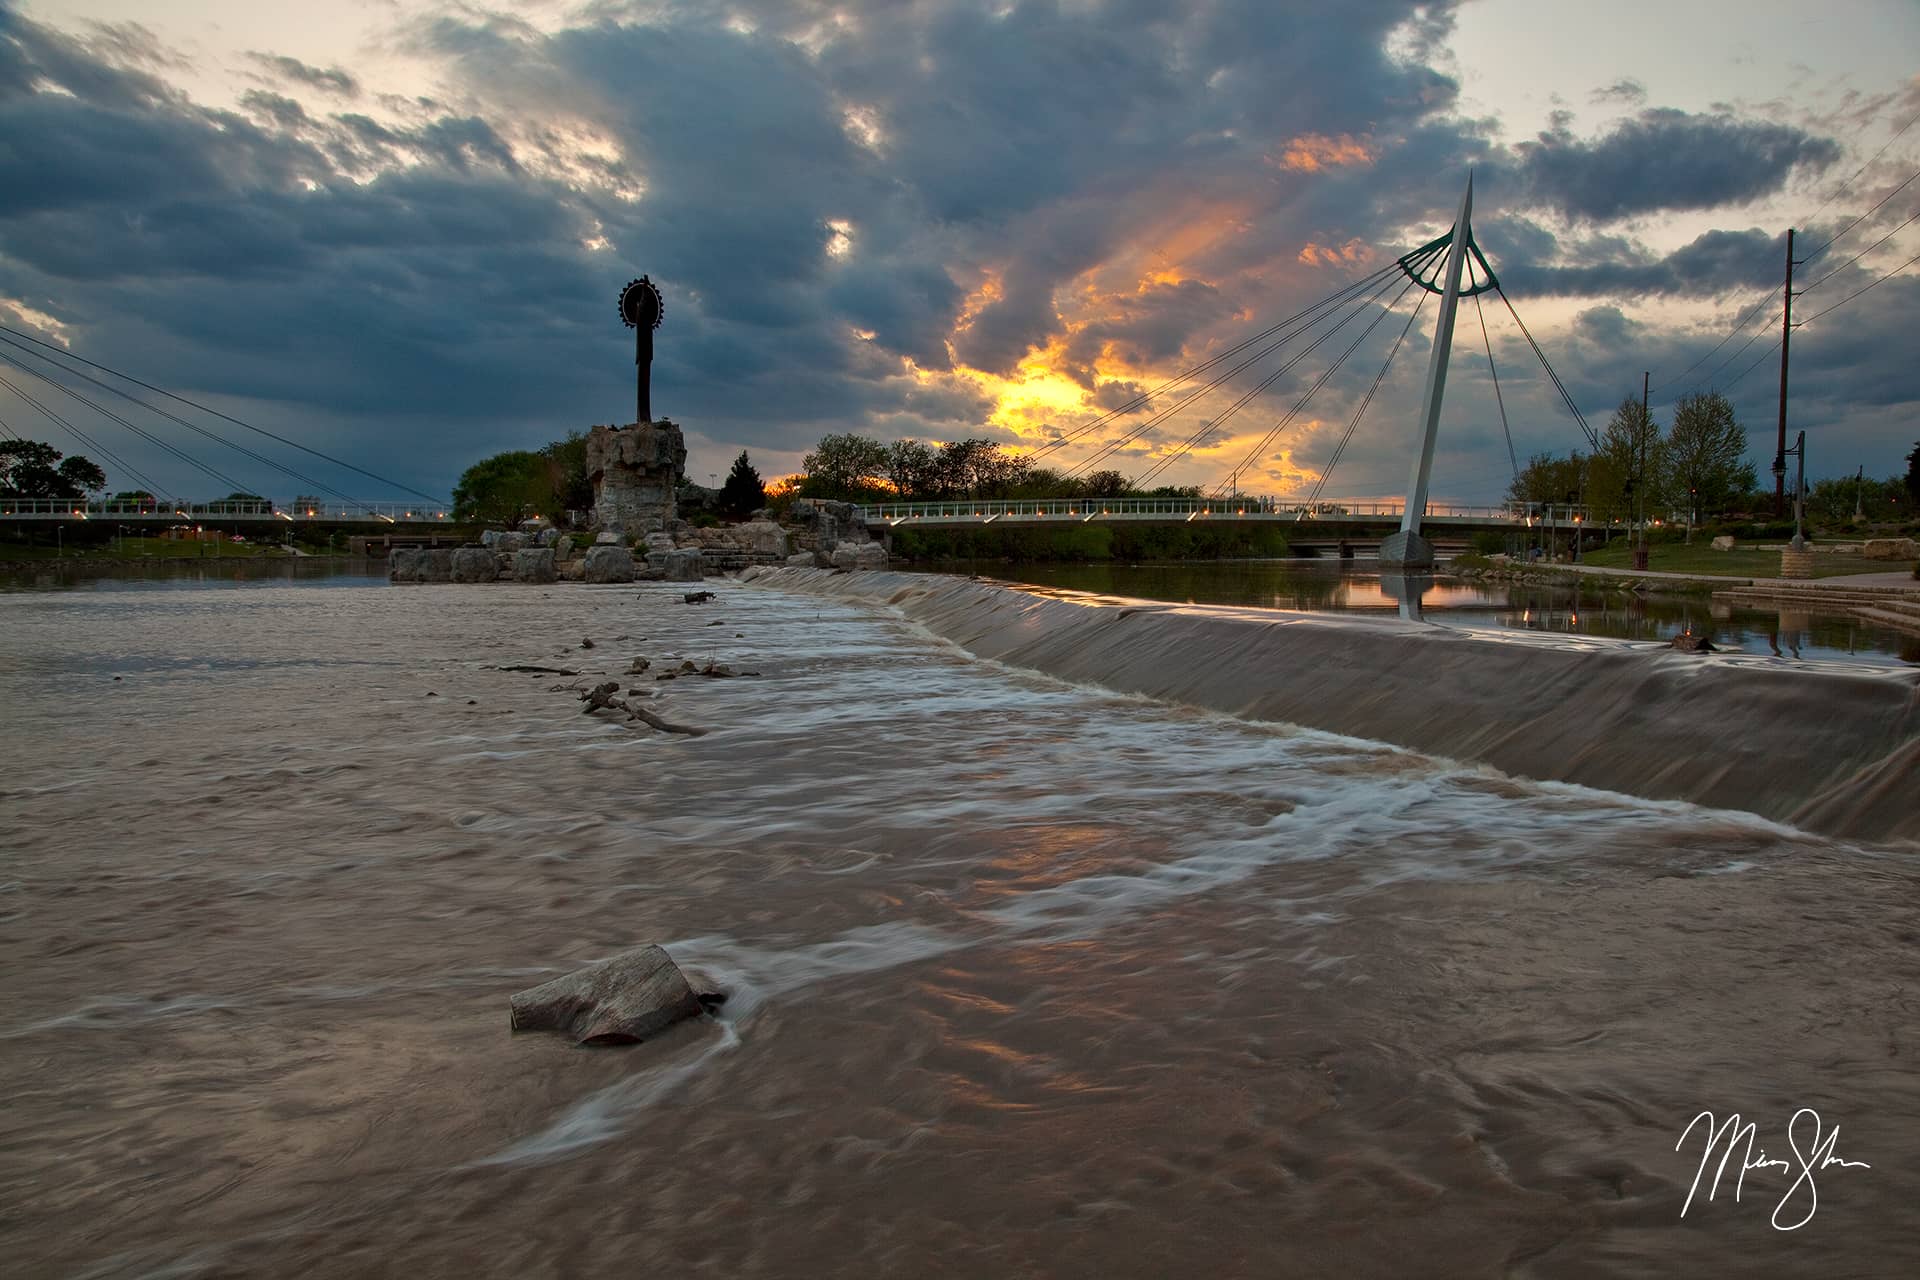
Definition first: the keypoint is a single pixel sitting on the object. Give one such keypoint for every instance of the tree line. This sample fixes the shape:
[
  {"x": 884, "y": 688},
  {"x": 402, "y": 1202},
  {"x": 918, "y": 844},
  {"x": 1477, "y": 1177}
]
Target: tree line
[
  {"x": 855, "y": 468},
  {"x": 1697, "y": 470}
]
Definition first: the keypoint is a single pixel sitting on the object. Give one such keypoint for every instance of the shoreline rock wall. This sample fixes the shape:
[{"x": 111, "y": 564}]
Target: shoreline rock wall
[{"x": 1834, "y": 751}]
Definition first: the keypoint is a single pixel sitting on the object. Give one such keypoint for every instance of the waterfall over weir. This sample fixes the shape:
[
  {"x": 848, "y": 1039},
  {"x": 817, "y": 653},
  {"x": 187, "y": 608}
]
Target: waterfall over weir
[{"x": 1832, "y": 748}]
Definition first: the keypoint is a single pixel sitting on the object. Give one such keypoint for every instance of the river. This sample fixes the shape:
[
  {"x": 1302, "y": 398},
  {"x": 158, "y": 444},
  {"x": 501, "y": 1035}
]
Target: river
[
  {"x": 1331, "y": 585},
  {"x": 1027, "y": 979}
]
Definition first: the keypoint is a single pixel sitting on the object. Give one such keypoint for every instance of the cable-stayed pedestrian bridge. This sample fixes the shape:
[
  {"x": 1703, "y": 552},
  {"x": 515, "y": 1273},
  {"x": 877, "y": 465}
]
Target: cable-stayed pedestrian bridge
[
  {"x": 168, "y": 512},
  {"x": 1356, "y": 514}
]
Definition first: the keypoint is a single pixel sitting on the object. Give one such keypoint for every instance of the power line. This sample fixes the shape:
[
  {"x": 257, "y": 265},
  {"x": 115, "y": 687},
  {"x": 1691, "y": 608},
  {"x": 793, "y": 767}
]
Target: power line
[
  {"x": 1849, "y": 182},
  {"x": 224, "y": 417},
  {"x": 1862, "y": 289},
  {"x": 1863, "y": 253}
]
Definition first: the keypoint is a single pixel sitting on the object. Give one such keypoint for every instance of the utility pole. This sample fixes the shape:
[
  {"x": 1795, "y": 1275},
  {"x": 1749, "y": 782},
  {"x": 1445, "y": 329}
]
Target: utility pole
[
  {"x": 1859, "y": 494},
  {"x": 1786, "y": 334}
]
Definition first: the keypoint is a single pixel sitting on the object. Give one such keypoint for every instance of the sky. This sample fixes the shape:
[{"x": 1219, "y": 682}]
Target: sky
[{"x": 395, "y": 230}]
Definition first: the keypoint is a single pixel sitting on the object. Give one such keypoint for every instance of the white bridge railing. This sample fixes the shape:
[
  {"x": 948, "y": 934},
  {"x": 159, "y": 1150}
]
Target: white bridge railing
[
  {"x": 175, "y": 511},
  {"x": 1022, "y": 510}
]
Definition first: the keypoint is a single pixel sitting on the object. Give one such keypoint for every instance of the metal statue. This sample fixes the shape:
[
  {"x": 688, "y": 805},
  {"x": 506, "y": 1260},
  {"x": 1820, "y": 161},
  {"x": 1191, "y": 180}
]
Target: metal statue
[{"x": 641, "y": 310}]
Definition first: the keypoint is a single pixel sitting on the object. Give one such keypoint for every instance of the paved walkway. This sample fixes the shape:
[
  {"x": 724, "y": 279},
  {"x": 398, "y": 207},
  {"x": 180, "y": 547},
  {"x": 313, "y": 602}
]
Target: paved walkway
[{"x": 1900, "y": 582}]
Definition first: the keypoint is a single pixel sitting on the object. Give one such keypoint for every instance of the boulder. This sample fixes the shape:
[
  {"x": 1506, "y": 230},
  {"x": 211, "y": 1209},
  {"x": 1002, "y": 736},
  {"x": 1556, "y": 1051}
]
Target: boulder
[
  {"x": 439, "y": 566},
  {"x": 1723, "y": 543},
  {"x": 659, "y": 542},
  {"x": 609, "y": 564},
  {"x": 573, "y": 571},
  {"x": 620, "y": 1000},
  {"x": 606, "y": 539},
  {"x": 563, "y": 547},
  {"x": 804, "y": 560},
  {"x": 761, "y": 538},
  {"x": 679, "y": 565},
  {"x": 406, "y": 564},
  {"x": 1890, "y": 549},
  {"x": 475, "y": 564},
  {"x": 535, "y": 564},
  {"x": 861, "y": 555}
]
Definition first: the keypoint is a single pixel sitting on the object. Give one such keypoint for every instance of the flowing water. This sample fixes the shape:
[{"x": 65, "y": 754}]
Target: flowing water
[
  {"x": 1026, "y": 979},
  {"x": 1356, "y": 586}
]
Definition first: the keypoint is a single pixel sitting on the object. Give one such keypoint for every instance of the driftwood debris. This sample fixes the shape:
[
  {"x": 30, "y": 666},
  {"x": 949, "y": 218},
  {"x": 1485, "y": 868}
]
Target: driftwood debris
[
  {"x": 1687, "y": 642},
  {"x": 538, "y": 671},
  {"x": 621, "y": 1000},
  {"x": 602, "y": 697},
  {"x": 699, "y": 597}
]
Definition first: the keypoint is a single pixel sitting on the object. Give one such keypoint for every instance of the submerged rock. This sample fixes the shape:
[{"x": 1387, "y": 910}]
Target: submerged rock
[{"x": 620, "y": 1000}]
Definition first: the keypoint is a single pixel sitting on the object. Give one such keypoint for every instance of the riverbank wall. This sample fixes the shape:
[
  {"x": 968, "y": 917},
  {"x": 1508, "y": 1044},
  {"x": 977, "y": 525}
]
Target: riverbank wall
[{"x": 1833, "y": 749}]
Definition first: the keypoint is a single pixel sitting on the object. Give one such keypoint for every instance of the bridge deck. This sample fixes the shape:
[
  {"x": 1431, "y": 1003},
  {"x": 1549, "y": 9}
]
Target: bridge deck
[
  {"x": 165, "y": 512},
  {"x": 1056, "y": 511}
]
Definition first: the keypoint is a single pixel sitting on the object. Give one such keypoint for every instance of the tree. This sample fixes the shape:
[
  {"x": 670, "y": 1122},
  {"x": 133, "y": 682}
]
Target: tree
[
  {"x": 845, "y": 467},
  {"x": 742, "y": 494},
  {"x": 1546, "y": 479},
  {"x": 505, "y": 489},
  {"x": 1705, "y": 456},
  {"x": 911, "y": 469},
  {"x": 30, "y": 469},
  {"x": 1630, "y": 465},
  {"x": 566, "y": 461},
  {"x": 1913, "y": 472}
]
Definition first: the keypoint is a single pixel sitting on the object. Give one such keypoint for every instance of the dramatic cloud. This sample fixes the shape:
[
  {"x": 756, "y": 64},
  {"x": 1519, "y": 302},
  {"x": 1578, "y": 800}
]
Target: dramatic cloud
[
  {"x": 1663, "y": 160},
  {"x": 938, "y": 219}
]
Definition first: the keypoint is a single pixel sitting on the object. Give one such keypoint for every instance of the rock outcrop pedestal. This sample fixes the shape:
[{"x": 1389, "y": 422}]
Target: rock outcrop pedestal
[{"x": 635, "y": 472}]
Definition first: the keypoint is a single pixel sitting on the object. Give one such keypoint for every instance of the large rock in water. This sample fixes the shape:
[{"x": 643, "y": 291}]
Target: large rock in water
[
  {"x": 621, "y": 1000},
  {"x": 475, "y": 564},
  {"x": 609, "y": 564},
  {"x": 679, "y": 565},
  {"x": 862, "y": 555},
  {"x": 406, "y": 564},
  {"x": 534, "y": 564}
]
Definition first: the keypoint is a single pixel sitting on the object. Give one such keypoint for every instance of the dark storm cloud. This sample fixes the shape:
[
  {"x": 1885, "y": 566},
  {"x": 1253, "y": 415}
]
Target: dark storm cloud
[
  {"x": 287, "y": 70},
  {"x": 823, "y": 198},
  {"x": 1712, "y": 264},
  {"x": 1664, "y": 160}
]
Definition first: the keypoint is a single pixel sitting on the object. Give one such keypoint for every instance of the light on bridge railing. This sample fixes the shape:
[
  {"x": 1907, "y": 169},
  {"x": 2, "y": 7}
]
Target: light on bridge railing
[{"x": 283, "y": 515}]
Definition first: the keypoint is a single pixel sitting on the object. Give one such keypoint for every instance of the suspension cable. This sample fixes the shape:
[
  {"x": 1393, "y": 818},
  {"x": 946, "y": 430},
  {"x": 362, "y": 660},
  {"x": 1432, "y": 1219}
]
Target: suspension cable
[
  {"x": 1512, "y": 458},
  {"x": 1138, "y": 401},
  {"x": 168, "y": 414},
  {"x": 292, "y": 444},
  {"x": 1324, "y": 310},
  {"x": 85, "y": 440},
  {"x": 1341, "y": 448},
  {"x": 1332, "y": 369},
  {"x": 233, "y": 485},
  {"x": 1208, "y": 428},
  {"x": 1566, "y": 397}
]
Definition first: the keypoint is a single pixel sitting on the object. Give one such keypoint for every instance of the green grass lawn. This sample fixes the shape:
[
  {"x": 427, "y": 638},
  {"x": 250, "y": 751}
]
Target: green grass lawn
[
  {"x": 1701, "y": 558},
  {"x": 137, "y": 548}
]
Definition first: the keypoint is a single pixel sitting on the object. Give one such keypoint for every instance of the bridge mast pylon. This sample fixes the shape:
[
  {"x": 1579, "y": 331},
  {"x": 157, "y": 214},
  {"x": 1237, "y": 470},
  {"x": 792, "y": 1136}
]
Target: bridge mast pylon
[{"x": 1406, "y": 547}]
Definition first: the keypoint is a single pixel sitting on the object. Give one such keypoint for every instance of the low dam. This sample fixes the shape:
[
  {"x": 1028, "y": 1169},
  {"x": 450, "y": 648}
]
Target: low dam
[{"x": 1833, "y": 747}]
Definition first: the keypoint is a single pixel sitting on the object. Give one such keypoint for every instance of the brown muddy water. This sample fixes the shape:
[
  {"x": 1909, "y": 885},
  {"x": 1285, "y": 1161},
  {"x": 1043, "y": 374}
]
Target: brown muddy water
[{"x": 1028, "y": 979}]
